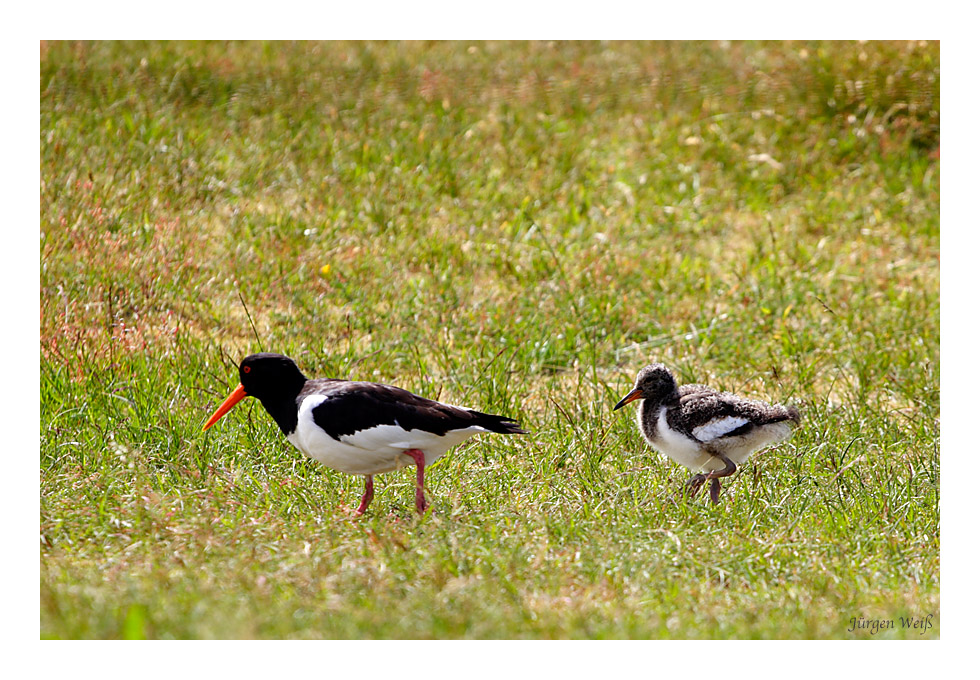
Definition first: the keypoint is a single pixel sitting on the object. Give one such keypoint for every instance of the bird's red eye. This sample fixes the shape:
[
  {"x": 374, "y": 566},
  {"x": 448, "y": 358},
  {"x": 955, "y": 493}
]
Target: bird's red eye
[{"x": 247, "y": 369}]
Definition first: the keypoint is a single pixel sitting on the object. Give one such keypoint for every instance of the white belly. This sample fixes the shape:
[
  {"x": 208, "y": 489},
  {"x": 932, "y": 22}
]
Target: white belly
[
  {"x": 679, "y": 448},
  {"x": 695, "y": 455},
  {"x": 371, "y": 451}
]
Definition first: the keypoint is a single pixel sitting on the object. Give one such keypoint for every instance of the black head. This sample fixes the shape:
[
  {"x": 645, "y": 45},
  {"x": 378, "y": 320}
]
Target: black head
[
  {"x": 268, "y": 375},
  {"x": 654, "y": 382},
  {"x": 274, "y": 380}
]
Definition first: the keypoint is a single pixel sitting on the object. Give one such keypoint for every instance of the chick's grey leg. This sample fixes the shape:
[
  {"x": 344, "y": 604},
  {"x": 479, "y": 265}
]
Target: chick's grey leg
[{"x": 716, "y": 474}]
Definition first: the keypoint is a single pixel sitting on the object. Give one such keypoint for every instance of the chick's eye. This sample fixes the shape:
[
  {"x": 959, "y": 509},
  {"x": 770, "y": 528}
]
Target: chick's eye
[{"x": 247, "y": 369}]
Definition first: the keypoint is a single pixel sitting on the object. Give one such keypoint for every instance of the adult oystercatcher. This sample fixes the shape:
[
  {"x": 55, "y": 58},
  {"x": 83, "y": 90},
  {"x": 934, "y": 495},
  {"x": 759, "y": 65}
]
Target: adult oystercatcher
[
  {"x": 360, "y": 428},
  {"x": 705, "y": 430}
]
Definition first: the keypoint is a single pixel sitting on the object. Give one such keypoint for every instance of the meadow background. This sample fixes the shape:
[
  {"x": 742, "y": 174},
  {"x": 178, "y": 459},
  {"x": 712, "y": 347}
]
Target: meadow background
[{"x": 517, "y": 227}]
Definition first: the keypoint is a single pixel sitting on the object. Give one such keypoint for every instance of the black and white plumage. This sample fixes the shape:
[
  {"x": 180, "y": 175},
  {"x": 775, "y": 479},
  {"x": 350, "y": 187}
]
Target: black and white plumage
[
  {"x": 706, "y": 431},
  {"x": 360, "y": 428}
]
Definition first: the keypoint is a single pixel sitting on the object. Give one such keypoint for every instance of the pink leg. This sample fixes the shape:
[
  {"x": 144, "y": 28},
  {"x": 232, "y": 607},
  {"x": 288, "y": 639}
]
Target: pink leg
[
  {"x": 419, "y": 459},
  {"x": 367, "y": 497}
]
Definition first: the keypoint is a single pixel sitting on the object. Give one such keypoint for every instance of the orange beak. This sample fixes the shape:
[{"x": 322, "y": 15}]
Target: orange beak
[
  {"x": 230, "y": 402},
  {"x": 632, "y": 396}
]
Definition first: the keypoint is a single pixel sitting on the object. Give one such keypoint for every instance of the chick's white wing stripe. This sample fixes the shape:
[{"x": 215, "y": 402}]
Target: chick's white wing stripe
[{"x": 719, "y": 427}]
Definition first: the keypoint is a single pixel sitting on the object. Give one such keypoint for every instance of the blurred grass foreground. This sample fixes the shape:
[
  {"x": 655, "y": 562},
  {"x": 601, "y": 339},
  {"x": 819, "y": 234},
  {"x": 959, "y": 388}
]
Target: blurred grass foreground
[{"x": 517, "y": 227}]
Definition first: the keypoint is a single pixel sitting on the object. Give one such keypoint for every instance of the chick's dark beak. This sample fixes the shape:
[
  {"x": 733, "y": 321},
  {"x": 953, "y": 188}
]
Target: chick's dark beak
[{"x": 632, "y": 396}]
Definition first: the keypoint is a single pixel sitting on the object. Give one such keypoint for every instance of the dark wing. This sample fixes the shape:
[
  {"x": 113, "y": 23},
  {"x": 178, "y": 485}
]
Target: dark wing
[
  {"x": 350, "y": 407},
  {"x": 707, "y": 415}
]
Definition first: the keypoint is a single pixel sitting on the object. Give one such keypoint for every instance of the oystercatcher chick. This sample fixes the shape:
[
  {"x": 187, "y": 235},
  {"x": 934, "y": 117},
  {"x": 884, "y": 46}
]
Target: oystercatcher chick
[
  {"x": 707, "y": 431},
  {"x": 360, "y": 428}
]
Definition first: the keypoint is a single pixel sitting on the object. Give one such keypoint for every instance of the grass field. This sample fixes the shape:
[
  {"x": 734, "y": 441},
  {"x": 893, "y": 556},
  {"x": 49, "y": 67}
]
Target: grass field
[{"x": 517, "y": 228}]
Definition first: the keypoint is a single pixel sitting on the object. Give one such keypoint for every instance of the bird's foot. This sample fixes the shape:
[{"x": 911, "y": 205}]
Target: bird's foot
[
  {"x": 349, "y": 511},
  {"x": 695, "y": 483},
  {"x": 715, "y": 490}
]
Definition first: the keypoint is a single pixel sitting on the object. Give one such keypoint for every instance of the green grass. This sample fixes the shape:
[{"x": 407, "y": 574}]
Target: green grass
[{"x": 514, "y": 227}]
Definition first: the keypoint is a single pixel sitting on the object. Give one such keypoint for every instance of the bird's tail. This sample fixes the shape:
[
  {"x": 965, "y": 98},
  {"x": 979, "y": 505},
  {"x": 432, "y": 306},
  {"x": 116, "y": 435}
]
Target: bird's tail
[
  {"x": 794, "y": 414},
  {"x": 499, "y": 424}
]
